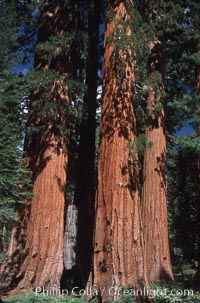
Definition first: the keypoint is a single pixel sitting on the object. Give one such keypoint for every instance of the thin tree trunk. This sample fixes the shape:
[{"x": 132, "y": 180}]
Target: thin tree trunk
[
  {"x": 35, "y": 256},
  {"x": 154, "y": 199},
  {"x": 85, "y": 187},
  {"x": 118, "y": 255}
]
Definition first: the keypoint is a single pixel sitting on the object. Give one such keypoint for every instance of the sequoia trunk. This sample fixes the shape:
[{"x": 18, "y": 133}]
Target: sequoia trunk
[
  {"x": 154, "y": 199},
  {"x": 35, "y": 257},
  {"x": 43, "y": 265},
  {"x": 118, "y": 256}
]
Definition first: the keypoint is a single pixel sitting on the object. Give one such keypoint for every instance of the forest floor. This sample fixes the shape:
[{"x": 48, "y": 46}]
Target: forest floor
[{"x": 178, "y": 291}]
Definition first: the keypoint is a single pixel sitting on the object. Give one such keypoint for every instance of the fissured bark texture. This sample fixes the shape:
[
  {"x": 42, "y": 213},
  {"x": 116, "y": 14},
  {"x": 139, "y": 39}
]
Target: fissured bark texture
[
  {"x": 118, "y": 255},
  {"x": 35, "y": 256},
  {"x": 154, "y": 199},
  {"x": 43, "y": 265},
  {"x": 154, "y": 204}
]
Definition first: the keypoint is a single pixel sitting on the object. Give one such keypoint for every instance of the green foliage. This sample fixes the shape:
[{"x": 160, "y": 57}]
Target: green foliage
[
  {"x": 65, "y": 56},
  {"x": 164, "y": 295},
  {"x": 41, "y": 298},
  {"x": 176, "y": 25},
  {"x": 175, "y": 295},
  {"x": 125, "y": 297},
  {"x": 13, "y": 106},
  {"x": 61, "y": 45},
  {"x": 140, "y": 144},
  {"x": 36, "y": 298},
  {"x": 2, "y": 257},
  {"x": 9, "y": 29},
  {"x": 131, "y": 38},
  {"x": 30, "y": 298},
  {"x": 154, "y": 79}
]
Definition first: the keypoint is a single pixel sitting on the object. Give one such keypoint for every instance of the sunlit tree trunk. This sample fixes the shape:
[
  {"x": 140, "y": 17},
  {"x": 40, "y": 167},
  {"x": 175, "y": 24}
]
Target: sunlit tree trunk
[
  {"x": 118, "y": 255},
  {"x": 154, "y": 199},
  {"x": 35, "y": 256}
]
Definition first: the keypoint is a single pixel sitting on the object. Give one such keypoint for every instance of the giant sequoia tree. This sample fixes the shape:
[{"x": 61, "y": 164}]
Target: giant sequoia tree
[
  {"x": 125, "y": 228},
  {"x": 154, "y": 200},
  {"x": 35, "y": 256},
  {"x": 118, "y": 255}
]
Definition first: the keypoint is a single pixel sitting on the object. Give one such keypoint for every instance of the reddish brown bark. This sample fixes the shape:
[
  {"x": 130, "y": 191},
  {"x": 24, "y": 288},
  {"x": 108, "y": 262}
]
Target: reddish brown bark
[
  {"x": 118, "y": 256},
  {"x": 154, "y": 200},
  {"x": 38, "y": 241},
  {"x": 35, "y": 256},
  {"x": 154, "y": 204},
  {"x": 44, "y": 264}
]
